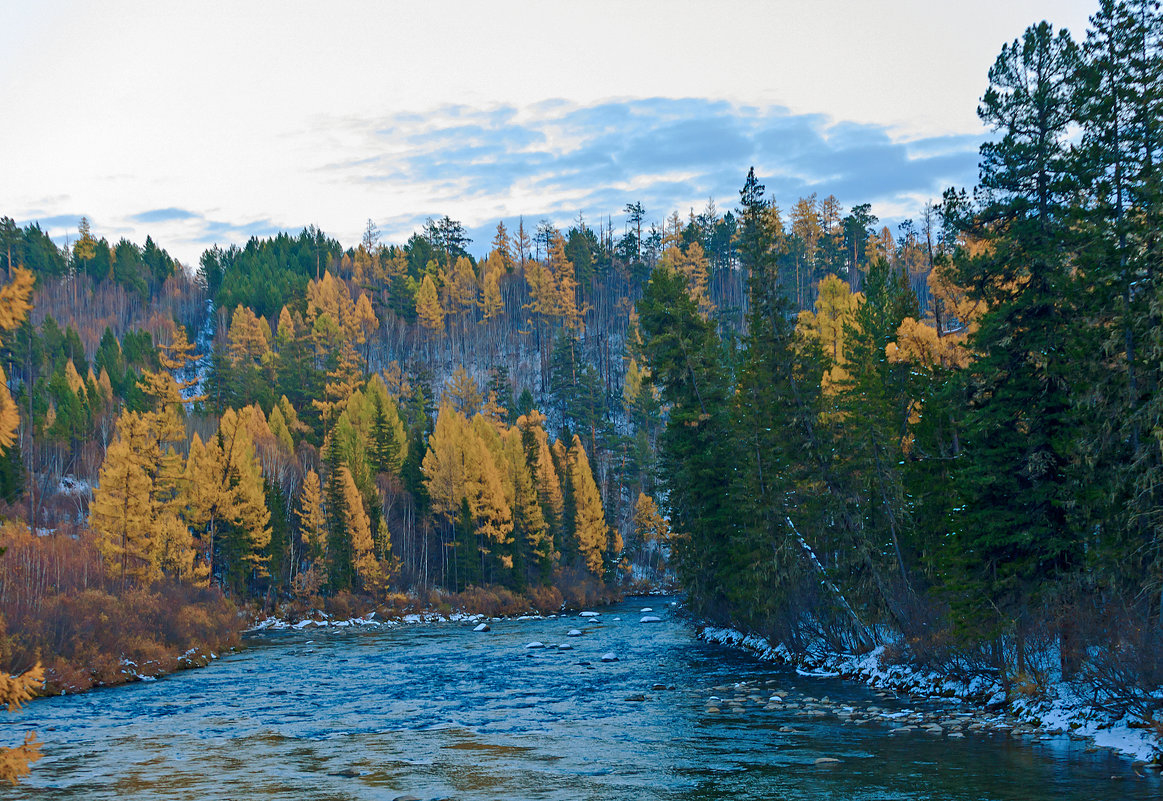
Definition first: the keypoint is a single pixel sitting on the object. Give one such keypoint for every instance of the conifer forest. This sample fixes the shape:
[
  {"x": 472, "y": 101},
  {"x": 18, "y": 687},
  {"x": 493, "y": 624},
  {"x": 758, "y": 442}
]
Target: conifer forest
[{"x": 947, "y": 436}]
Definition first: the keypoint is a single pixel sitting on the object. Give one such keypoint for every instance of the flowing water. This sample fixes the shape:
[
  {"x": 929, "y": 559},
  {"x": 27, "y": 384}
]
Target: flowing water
[{"x": 440, "y": 711}]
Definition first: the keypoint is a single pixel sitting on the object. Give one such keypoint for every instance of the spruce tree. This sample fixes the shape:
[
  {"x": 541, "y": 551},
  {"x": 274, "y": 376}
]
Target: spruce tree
[{"x": 1013, "y": 536}]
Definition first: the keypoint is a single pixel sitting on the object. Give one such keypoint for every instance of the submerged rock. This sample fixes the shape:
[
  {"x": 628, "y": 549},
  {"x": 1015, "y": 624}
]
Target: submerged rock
[{"x": 827, "y": 761}]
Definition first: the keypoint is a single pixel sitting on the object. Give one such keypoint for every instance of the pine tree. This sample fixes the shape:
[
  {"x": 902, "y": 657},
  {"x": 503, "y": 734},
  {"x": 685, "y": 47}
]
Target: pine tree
[
  {"x": 772, "y": 417},
  {"x": 1014, "y": 537},
  {"x": 695, "y": 459}
]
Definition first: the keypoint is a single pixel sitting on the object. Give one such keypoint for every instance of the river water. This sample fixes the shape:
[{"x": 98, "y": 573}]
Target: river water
[{"x": 440, "y": 711}]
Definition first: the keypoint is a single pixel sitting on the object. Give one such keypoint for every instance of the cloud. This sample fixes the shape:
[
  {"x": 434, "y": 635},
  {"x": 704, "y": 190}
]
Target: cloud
[
  {"x": 164, "y": 215},
  {"x": 52, "y": 222},
  {"x": 557, "y": 158},
  {"x": 228, "y": 232},
  {"x": 549, "y": 160}
]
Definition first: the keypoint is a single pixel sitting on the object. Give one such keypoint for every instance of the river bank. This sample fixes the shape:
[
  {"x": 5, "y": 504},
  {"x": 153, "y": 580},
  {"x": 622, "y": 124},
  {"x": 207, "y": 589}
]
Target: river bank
[
  {"x": 134, "y": 639},
  {"x": 977, "y": 706},
  {"x": 443, "y": 710}
]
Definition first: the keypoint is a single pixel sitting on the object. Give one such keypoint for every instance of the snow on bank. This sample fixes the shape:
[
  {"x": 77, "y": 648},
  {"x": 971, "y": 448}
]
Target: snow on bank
[
  {"x": 323, "y": 620},
  {"x": 1064, "y": 709}
]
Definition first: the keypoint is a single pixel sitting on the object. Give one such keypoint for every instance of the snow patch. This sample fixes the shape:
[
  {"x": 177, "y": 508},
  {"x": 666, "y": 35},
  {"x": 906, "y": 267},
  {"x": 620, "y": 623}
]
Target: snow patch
[{"x": 1063, "y": 708}]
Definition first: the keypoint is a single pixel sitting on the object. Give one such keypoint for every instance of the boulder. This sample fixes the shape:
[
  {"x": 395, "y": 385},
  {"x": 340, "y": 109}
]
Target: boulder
[
  {"x": 573, "y": 633},
  {"x": 649, "y": 619},
  {"x": 609, "y": 657},
  {"x": 535, "y": 644},
  {"x": 482, "y": 627}
]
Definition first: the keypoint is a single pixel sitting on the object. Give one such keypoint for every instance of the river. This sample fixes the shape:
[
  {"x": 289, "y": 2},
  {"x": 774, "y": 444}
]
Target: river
[{"x": 440, "y": 711}]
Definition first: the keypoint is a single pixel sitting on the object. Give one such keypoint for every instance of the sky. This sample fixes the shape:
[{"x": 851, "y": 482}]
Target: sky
[{"x": 208, "y": 123}]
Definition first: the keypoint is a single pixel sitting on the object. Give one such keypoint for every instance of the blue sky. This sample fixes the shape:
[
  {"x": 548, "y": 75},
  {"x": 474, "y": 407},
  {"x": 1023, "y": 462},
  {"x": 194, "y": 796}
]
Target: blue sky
[{"x": 217, "y": 122}]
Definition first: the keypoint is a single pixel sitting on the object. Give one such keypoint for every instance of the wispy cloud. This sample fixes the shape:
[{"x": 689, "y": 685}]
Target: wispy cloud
[
  {"x": 163, "y": 215},
  {"x": 557, "y": 158},
  {"x": 554, "y": 160}
]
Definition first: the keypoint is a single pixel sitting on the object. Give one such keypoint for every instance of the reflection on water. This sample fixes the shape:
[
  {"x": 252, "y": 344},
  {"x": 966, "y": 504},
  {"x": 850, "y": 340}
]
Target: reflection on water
[{"x": 441, "y": 711}]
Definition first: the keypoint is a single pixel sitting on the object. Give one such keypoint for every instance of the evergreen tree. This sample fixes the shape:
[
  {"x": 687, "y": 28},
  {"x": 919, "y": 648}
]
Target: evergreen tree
[
  {"x": 695, "y": 456},
  {"x": 1013, "y": 536}
]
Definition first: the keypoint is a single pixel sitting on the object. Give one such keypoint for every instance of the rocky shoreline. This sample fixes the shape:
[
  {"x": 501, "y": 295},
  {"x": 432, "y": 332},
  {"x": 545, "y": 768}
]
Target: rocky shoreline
[{"x": 963, "y": 708}]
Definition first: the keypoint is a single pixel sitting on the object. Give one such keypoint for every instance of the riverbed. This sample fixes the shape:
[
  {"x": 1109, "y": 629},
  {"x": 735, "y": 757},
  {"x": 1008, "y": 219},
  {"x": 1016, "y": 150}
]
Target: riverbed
[{"x": 439, "y": 710}]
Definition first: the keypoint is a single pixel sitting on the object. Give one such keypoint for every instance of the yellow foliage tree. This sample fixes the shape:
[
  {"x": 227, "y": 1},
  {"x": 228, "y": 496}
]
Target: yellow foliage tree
[
  {"x": 363, "y": 556},
  {"x": 836, "y": 307},
  {"x": 14, "y": 692},
  {"x": 14, "y": 307},
  {"x": 428, "y": 309},
  {"x": 491, "y": 302},
  {"x": 459, "y": 466},
  {"x": 692, "y": 265},
  {"x": 225, "y": 487},
  {"x": 312, "y": 521},
  {"x": 528, "y": 518},
  {"x": 249, "y": 345},
  {"x": 123, "y": 513},
  {"x": 593, "y": 535},
  {"x": 463, "y": 393},
  {"x": 650, "y": 527},
  {"x": 545, "y": 475}
]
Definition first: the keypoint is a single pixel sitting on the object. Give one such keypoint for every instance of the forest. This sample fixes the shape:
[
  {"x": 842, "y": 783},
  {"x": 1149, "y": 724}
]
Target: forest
[{"x": 948, "y": 439}]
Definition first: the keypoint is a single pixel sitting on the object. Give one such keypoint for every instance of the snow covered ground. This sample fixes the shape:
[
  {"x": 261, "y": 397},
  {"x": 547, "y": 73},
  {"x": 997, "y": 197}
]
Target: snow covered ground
[{"x": 1063, "y": 709}]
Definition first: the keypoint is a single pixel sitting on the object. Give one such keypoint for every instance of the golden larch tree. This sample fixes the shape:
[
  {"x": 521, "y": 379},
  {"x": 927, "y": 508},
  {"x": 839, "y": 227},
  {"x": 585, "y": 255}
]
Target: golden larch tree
[
  {"x": 312, "y": 520},
  {"x": 589, "y": 518},
  {"x": 428, "y": 309},
  {"x": 123, "y": 513},
  {"x": 363, "y": 556},
  {"x": 15, "y": 690}
]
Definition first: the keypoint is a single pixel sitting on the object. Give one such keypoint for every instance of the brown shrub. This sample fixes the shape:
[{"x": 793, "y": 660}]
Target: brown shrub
[
  {"x": 345, "y": 605},
  {"x": 545, "y": 599}
]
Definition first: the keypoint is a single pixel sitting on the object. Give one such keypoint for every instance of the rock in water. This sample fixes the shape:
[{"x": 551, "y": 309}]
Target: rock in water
[
  {"x": 649, "y": 619},
  {"x": 636, "y": 697},
  {"x": 610, "y": 657},
  {"x": 590, "y": 614},
  {"x": 482, "y": 627},
  {"x": 565, "y": 647},
  {"x": 827, "y": 761},
  {"x": 535, "y": 644},
  {"x": 646, "y": 609},
  {"x": 573, "y": 633}
]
